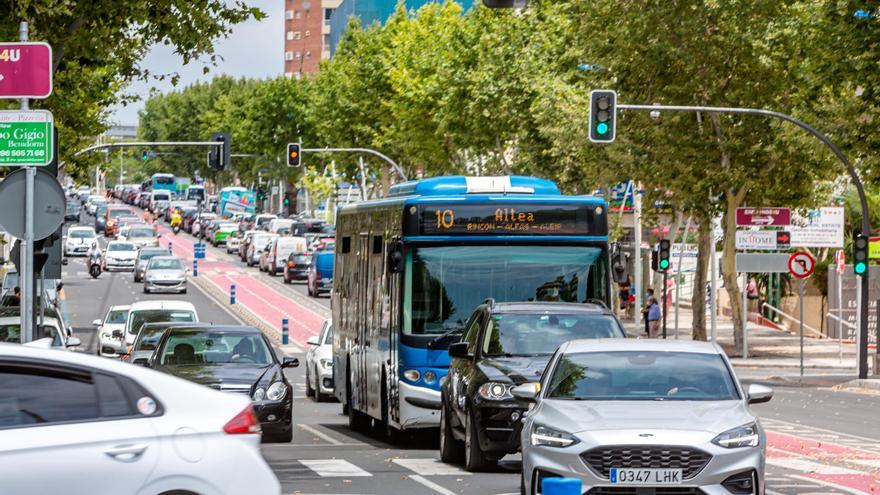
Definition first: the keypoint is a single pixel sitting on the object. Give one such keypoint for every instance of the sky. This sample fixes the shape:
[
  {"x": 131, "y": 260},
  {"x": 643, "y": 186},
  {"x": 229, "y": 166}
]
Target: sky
[{"x": 253, "y": 49}]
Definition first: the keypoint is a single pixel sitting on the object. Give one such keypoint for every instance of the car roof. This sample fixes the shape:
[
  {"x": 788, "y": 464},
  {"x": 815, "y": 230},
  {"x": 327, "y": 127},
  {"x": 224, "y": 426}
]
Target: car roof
[
  {"x": 662, "y": 345},
  {"x": 162, "y": 304},
  {"x": 118, "y": 307},
  {"x": 548, "y": 307},
  {"x": 217, "y": 328}
]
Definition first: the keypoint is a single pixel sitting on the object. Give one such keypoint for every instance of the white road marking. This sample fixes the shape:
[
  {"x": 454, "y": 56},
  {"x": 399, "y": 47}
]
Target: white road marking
[
  {"x": 430, "y": 484},
  {"x": 323, "y": 436},
  {"x": 872, "y": 463},
  {"x": 334, "y": 468},
  {"x": 430, "y": 467},
  {"x": 805, "y": 466}
]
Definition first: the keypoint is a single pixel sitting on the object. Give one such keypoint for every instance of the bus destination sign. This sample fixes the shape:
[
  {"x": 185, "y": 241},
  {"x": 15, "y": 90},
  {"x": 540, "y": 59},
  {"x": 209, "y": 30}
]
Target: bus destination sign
[{"x": 509, "y": 219}]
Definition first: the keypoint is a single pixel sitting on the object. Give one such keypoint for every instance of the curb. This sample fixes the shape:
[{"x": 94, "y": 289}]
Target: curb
[{"x": 868, "y": 385}]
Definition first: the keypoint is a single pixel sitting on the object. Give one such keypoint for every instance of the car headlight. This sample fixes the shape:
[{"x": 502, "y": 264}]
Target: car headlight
[
  {"x": 327, "y": 363},
  {"x": 276, "y": 391},
  {"x": 259, "y": 394},
  {"x": 412, "y": 375},
  {"x": 495, "y": 391},
  {"x": 548, "y": 437},
  {"x": 741, "y": 436}
]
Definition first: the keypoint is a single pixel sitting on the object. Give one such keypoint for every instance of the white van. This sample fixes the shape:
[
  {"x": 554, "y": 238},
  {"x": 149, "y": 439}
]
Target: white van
[
  {"x": 277, "y": 224},
  {"x": 280, "y": 249},
  {"x": 159, "y": 195}
]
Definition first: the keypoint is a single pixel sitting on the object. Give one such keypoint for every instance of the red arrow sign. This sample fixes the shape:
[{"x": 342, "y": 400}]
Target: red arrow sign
[
  {"x": 763, "y": 217},
  {"x": 25, "y": 70}
]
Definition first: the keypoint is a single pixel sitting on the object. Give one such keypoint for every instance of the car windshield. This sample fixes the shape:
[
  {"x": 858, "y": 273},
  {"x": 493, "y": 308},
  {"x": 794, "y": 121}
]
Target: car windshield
[
  {"x": 117, "y": 316},
  {"x": 214, "y": 348},
  {"x": 301, "y": 259},
  {"x": 138, "y": 318},
  {"x": 641, "y": 375},
  {"x": 444, "y": 284},
  {"x": 165, "y": 264},
  {"x": 147, "y": 254},
  {"x": 521, "y": 334},
  {"x": 81, "y": 233},
  {"x": 116, "y": 213},
  {"x": 121, "y": 246},
  {"x": 141, "y": 232}
]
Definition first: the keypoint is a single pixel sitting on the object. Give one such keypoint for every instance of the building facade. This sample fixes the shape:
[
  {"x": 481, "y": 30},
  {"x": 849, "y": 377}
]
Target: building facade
[
  {"x": 370, "y": 11},
  {"x": 306, "y": 35}
]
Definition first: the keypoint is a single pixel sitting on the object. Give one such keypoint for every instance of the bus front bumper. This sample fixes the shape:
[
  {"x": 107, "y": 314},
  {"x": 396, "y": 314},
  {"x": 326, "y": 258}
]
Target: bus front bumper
[{"x": 419, "y": 406}]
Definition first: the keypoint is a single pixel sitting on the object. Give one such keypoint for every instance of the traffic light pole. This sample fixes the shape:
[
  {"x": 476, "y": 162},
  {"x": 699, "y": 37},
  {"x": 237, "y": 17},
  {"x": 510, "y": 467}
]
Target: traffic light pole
[{"x": 860, "y": 189}]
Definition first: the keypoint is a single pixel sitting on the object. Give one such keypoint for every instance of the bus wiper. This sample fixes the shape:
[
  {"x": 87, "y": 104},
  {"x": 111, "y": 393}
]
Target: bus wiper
[{"x": 444, "y": 335}]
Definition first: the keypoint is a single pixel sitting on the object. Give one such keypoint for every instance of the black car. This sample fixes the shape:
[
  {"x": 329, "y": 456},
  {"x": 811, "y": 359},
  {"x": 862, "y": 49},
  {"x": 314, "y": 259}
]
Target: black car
[
  {"x": 297, "y": 267},
  {"x": 506, "y": 345},
  {"x": 235, "y": 359}
]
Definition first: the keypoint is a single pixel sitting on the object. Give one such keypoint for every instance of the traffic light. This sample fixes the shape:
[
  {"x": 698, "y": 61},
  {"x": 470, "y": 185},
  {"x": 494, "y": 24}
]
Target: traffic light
[
  {"x": 860, "y": 255},
  {"x": 145, "y": 155},
  {"x": 261, "y": 194},
  {"x": 294, "y": 156},
  {"x": 603, "y": 115},
  {"x": 220, "y": 157},
  {"x": 664, "y": 254}
]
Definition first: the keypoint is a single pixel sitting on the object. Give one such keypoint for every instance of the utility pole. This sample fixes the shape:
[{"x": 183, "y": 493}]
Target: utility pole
[
  {"x": 637, "y": 283},
  {"x": 27, "y": 254}
]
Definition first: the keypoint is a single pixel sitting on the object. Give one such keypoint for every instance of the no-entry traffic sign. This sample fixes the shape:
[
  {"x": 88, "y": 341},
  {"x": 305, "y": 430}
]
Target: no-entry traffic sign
[
  {"x": 25, "y": 70},
  {"x": 25, "y": 137},
  {"x": 801, "y": 265}
]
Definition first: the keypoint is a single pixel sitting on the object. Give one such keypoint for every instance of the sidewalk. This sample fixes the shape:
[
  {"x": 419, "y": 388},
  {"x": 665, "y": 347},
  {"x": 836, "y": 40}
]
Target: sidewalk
[{"x": 769, "y": 348}]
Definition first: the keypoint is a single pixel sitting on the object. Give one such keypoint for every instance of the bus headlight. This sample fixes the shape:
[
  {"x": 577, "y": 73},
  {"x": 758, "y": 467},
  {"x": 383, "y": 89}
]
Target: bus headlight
[{"x": 412, "y": 375}]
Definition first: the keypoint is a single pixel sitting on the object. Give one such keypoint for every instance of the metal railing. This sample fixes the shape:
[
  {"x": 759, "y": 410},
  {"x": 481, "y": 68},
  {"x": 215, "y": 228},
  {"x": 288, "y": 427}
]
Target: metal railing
[
  {"x": 840, "y": 337},
  {"x": 792, "y": 318}
]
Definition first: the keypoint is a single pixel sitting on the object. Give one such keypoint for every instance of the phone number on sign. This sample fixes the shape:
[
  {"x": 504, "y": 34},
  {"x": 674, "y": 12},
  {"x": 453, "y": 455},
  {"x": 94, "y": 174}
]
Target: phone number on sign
[{"x": 23, "y": 153}]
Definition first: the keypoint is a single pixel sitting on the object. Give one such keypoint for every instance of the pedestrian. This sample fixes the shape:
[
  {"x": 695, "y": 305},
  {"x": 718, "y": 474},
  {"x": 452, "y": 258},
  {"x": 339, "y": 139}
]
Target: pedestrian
[
  {"x": 653, "y": 318},
  {"x": 15, "y": 299},
  {"x": 752, "y": 294},
  {"x": 648, "y": 297}
]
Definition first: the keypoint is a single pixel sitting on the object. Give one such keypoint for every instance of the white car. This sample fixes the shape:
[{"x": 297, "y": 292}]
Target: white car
[
  {"x": 51, "y": 335},
  {"x": 79, "y": 241},
  {"x": 319, "y": 364},
  {"x": 141, "y": 236},
  {"x": 110, "y": 331},
  {"x": 120, "y": 255},
  {"x": 233, "y": 242},
  {"x": 158, "y": 433},
  {"x": 142, "y": 312},
  {"x": 256, "y": 247},
  {"x": 93, "y": 202}
]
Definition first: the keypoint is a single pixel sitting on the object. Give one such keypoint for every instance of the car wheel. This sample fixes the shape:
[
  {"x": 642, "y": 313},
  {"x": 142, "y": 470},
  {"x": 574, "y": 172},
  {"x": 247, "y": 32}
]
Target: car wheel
[
  {"x": 319, "y": 397},
  {"x": 474, "y": 458},
  {"x": 146, "y": 291},
  {"x": 183, "y": 291},
  {"x": 310, "y": 392},
  {"x": 451, "y": 449}
]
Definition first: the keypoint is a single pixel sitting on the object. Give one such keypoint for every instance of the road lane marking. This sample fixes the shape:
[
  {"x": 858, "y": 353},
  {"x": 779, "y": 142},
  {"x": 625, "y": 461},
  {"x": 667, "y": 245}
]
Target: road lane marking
[
  {"x": 334, "y": 468},
  {"x": 829, "y": 484},
  {"x": 806, "y": 466},
  {"x": 323, "y": 436},
  {"x": 430, "y": 484},
  {"x": 430, "y": 467}
]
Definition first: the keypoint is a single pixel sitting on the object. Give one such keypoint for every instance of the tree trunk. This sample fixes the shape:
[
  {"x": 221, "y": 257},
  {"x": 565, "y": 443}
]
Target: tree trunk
[
  {"x": 698, "y": 302},
  {"x": 733, "y": 199}
]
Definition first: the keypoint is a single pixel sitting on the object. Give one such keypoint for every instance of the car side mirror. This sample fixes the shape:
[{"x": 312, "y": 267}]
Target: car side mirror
[
  {"x": 117, "y": 334},
  {"x": 395, "y": 257},
  {"x": 526, "y": 391},
  {"x": 313, "y": 340},
  {"x": 290, "y": 362},
  {"x": 460, "y": 350},
  {"x": 73, "y": 342},
  {"x": 96, "y": 323},
  {"x": 758, "y": 394}
]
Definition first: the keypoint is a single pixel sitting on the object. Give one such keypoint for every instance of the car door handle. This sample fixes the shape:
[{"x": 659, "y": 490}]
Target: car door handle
[{"x": 127, "y": 453}]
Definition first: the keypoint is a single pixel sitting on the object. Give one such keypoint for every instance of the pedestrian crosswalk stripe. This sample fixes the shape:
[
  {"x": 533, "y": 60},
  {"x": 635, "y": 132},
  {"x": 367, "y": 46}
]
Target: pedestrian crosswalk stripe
[
  {"x": 334, "y": 468},
  {"x": 430, "y": 467}
]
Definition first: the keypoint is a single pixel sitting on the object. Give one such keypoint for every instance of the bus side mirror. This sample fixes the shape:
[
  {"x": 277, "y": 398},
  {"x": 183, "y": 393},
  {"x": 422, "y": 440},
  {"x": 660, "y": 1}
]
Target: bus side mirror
[
  {"x": 618, "y": 266},
  {"x": 395, "y": 257}
]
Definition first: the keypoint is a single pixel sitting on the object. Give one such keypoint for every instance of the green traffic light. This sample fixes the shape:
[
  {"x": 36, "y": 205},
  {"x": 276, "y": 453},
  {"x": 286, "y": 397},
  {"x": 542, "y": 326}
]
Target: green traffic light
[
  {"x": 602, "y": 128},
  {"x": 664, "y": 264},
  {"x": 860, "y": 268}
]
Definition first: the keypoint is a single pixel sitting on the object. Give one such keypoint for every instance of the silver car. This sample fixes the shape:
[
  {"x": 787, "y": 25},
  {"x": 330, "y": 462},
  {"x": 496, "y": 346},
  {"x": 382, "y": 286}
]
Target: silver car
[
  {"x": 144, "y": 257},
  {"x": 165, "y": 274},
  {"x": 634, "y": 416}
]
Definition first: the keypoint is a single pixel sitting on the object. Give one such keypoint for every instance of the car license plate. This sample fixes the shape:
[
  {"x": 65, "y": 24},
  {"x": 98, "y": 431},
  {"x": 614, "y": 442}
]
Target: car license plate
[{"x": 645, "y": 476}]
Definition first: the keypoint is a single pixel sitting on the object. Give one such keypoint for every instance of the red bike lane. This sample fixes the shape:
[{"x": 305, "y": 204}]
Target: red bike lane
[
  {"x": 262, "y": 300},
  {"x": 839, "y": 466}
]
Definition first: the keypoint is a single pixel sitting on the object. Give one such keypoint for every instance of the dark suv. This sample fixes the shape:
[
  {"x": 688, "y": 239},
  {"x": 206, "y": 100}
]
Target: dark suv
[{"x": 506, "y": 345}]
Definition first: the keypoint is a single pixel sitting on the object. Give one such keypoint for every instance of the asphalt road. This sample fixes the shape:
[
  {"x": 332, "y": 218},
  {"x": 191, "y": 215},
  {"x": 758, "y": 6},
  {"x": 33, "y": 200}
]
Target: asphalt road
[{"x": 326, "y": 458}]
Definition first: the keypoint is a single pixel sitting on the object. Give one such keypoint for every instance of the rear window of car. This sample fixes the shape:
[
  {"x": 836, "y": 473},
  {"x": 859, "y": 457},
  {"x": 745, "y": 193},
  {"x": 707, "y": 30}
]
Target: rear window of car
[
  {"x": 138, "y": 318},
  {"x": 81, "y": 233},
  {"x": 121, "y": 246}
]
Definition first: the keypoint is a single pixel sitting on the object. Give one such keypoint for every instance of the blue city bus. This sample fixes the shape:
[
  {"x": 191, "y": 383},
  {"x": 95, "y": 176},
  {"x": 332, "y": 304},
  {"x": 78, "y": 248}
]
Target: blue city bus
[
  {"x": 159, "y": 182},
  {"x": 411, "y": 268}
]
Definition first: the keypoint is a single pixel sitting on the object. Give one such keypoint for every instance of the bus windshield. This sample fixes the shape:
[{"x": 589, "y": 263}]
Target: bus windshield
[{"x": 445, "y": 284}]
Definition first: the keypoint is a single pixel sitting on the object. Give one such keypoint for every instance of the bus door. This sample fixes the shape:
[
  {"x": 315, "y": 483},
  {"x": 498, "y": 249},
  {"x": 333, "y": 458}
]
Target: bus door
[{"x": 362, "y": 321}]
